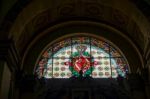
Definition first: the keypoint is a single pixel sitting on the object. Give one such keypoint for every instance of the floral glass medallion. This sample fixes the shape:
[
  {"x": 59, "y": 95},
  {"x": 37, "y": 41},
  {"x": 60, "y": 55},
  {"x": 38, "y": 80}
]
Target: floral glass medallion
[{"x": 81, "y": 62}]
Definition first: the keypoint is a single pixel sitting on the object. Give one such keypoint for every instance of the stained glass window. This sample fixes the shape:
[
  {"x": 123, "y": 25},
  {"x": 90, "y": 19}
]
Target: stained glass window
[{"x": 82, "y": 56}]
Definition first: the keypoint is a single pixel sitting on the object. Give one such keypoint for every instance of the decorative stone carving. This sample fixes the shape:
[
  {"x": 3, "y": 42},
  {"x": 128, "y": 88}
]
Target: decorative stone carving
[
  {"x": 67, "y": 10},
  {"x": 41, "y": 20},
  {"x": 119, "y": 19},
  {"x": 93, "y": 9},
  {"x": 79, "y": 9}
]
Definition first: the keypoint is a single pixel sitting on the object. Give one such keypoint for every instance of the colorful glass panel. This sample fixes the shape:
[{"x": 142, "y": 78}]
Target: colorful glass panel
[
  {"x": 60, "y": 70},
  {"x": 61, "y": 44},
  {"x": 80, "y": 40},
  {"x": 44, "y": 68},
  {"x": 81, "y": 60},
  {"x": 81, "y": 48},
  {"x": 98, "y": 52},
  {"x": 82, "y": 56},
  {"x": 100, "y": 44},
  {"x": 102, "y": 69},
  {"x": 114, "y": 52},
  {"x": 119, "y": 66},
  {"x": 64, "y": 52}
]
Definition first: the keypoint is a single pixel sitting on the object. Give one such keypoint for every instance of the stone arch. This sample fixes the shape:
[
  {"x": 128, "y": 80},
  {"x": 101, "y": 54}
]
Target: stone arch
[
  {"x": 117, "y": 14},
  {"x": 123, "y": 42}
]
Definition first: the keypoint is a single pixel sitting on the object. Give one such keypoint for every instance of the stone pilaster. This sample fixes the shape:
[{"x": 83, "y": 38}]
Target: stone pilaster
[
  {"x": 9, "y": 65},
  {"x": 146, "y": 78},
  {"x": 9, "y": 54}
]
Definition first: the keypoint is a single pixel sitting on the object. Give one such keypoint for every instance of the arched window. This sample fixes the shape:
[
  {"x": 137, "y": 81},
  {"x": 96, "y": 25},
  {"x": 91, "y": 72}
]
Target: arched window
[{"x": 82, "y": 55}]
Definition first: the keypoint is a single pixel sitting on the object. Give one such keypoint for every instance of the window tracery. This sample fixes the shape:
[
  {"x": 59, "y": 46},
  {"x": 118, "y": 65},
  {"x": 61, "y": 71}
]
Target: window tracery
[{"x": 93, "y": 57}]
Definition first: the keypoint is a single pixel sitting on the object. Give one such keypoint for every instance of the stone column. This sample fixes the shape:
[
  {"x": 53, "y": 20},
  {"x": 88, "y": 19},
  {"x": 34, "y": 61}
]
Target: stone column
[
  {"x": 1, "y": 75},
  {"x": 146, "y": 77},
  {"x": 9, "y": 64},
  {"x": 5, "y": 81}
]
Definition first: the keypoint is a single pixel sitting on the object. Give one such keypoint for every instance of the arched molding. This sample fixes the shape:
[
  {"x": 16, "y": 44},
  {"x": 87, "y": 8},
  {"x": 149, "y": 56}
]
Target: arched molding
[
  {"x": 41, "y": 42},
  {"x": 123, "y": 15}
]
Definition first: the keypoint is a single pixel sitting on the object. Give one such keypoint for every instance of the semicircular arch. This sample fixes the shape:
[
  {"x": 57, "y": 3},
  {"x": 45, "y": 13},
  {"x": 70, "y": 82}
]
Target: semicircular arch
[{"x": 101, "y": 30}]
